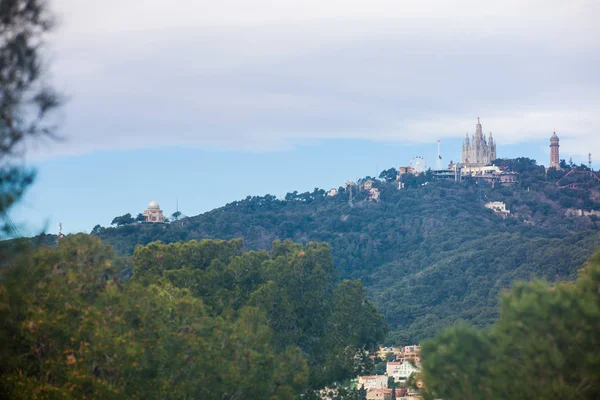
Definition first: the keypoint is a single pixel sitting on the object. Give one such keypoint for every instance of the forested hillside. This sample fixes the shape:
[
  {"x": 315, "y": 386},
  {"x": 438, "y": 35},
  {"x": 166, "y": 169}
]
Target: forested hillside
[{"x": 428, "y": 254}]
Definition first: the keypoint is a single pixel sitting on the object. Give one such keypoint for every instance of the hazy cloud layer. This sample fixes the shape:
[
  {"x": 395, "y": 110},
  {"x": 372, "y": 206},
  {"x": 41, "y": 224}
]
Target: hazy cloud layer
[{"x": 263, "y": 75}]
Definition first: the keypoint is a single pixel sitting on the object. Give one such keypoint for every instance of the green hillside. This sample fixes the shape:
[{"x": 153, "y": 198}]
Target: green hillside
[{"x": 429, "y": 254}]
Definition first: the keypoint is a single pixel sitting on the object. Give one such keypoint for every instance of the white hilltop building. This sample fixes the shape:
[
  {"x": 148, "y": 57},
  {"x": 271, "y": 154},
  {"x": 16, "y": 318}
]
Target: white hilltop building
[
  {"x": 498, "y": 207},
  {"x": 153, "y": 213}
]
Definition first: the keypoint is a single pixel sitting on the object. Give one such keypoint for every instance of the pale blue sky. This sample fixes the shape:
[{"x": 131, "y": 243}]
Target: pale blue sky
[
  {"x": 82, "y": 191},
  {"x": 211, "y": 101}
]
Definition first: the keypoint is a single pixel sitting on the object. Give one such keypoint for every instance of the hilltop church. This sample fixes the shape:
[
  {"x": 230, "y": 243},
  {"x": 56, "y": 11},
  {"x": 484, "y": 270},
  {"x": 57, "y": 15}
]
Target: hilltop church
[{"x": 478, "y": 152}]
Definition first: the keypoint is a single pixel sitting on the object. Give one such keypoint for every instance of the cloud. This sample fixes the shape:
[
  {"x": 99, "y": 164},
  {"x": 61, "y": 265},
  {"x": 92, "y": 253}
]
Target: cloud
[{"x": 266, "y": 75}]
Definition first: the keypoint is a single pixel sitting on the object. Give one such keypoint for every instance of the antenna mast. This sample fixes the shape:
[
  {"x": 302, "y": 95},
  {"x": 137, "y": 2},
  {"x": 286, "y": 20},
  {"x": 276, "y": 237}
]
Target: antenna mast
[
  {"x": 590, "y": 161},
  {"x": 438, "y": 161}
]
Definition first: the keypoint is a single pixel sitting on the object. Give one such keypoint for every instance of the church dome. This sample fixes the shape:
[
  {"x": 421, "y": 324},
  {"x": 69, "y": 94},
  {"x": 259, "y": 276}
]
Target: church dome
[{"x": 153, "y": 205}]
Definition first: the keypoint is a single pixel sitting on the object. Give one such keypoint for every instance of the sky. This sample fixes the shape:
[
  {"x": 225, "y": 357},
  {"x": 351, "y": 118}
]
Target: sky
[{"x": 206, "y": 102}]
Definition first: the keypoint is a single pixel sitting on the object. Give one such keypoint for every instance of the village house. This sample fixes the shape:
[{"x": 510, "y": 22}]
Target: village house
[
  {"x": 401, "y": 370},
  {"x": 385, "y": 394},
  {"x": 498, "y": 207},
  {"x": 367, "y": 185},
  {"x": 374, "y": 194},
  {"x": 412, "y": 352},
  {"x": 332, "y": 192},
  {"x": 372, "y": 382},
  {"x": 382, "y": 352}
]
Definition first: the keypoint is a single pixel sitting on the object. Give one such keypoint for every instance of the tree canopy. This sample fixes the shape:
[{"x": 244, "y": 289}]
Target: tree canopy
[{"x": 545, "y": 345}]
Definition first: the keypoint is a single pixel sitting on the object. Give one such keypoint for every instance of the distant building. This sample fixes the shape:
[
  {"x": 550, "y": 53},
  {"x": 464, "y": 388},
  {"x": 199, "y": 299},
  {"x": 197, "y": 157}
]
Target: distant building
[
  {"x": 332, "y": 192},
  {"x": 498, "y": 207},
  {"x": 385, "y": 394},
  {"x": 401, "y": 370},
  {"x": 374, "y": 194},
  {"x": 412, "y": 351},
  {"x": 382, "y": 352},
  {"x": 478, "y": 152},
  {"x": 372, "y": 382},
  {"x": 367, "y": 185},
  {"x": 554, "y": 153},
  {"x": 153, "y": 213},
  {"x": 405, "y": 170}
]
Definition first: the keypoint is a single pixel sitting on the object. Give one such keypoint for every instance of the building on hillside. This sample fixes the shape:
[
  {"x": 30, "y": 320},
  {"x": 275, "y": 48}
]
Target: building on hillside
[
  {"x": 374, "y": 194},
  {"x": 554, "y": 153},
  {"x": 405, "y": 170},
  {"x": 476, "y": 170},
  {"x": 332, "y": 192},
  {"x": 385, "y": 394},
  {"x": 478, "y": 151},
  {"x": 371, "y": 382},
  {"x": 400, "y": 371},
  {"x": 366, "y": 185},
  {"x": 508, "y": 177},
  {"x": 412, "y": 351},
  {"x": 498, "y": 207},
  {"x": 382, "y": 352},
  {"x": 153, "y": 213}
]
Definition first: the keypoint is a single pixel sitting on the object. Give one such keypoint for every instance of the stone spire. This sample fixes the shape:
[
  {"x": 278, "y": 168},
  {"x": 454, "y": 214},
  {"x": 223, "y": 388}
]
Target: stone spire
[{"x": 478, "y": 130}]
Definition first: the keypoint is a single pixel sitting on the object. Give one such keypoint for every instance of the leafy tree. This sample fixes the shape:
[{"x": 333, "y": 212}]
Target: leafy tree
[
  {"x": 140, "y": 218},
  {"x": 545, "y": 345},
  {"x": 123, "y": 220},
  {"x": 26, "y": 101},
  {"x": 176, "y": 215},
  {"x": 74, "y": 330},
  {"x": 389, "y": 175},
  {"x": 294, "y": 286}
]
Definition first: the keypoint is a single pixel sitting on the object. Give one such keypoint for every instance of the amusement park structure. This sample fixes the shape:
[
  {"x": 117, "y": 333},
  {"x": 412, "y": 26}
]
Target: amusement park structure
[{"x": 576, "y": 185}]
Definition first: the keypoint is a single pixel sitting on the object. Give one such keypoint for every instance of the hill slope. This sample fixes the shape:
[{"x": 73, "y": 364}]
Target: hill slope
[{"x": 428, "y": 254}]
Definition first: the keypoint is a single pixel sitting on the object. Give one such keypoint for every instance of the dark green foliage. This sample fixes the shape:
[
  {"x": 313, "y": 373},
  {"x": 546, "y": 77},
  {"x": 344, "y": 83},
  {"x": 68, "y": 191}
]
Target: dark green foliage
[
  {"x": 389, "y": 175},
  {"x": 123, "y": 220},
  {"x": 294, "y": 285},
  {"x": 427, "y": 255},
  {"x": 545, "y": 345},
  {"x": 71, "y": 329}
]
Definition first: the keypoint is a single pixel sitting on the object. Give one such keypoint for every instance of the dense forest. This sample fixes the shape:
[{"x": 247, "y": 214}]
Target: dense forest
[
  {"x": 201, "y": 320},
  {"x": 429, "y": 254}
]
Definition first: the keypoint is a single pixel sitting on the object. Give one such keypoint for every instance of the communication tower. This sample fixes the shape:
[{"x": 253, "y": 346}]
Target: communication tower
[{"x": 438, "y": 160}]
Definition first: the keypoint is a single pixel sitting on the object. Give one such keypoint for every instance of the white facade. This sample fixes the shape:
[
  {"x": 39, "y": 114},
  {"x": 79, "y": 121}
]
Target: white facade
[
  {"x": 372, "y": 382},
  {"x": 332, "y": 192},
  {"x": 401, "y": 370},
  {"x": 374, "y": 194},
  {"x": 153, "y": 213},
  {"x": 498, "y": 207}
]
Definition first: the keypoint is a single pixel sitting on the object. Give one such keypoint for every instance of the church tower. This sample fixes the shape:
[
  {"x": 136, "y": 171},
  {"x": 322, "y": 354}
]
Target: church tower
[
  {"x": 478, "y": 151},
  {"x": 554, "y": 155}
]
